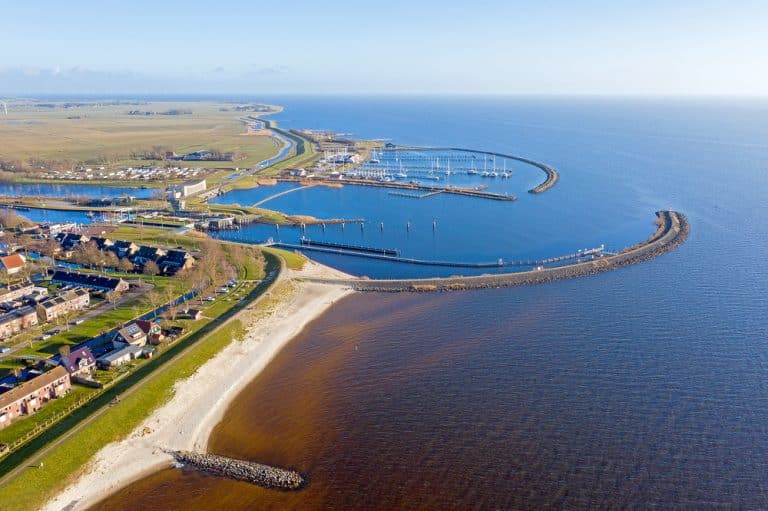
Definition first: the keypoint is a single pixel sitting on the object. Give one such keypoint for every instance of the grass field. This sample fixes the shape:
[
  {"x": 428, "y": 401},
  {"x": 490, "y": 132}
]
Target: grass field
[
  {"x": 107, "y": 134},
  {"x": 156, "y": 377}
]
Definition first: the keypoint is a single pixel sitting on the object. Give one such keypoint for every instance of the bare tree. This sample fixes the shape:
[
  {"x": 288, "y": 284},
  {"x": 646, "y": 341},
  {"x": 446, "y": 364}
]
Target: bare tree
[
  {"x": 112, "y": 297},
  {"x": 151, "y": 268}
]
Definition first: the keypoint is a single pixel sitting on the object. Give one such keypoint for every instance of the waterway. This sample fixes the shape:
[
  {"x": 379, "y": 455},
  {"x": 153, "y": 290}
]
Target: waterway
[
  {"x": 643, "y": 388},
  {"x": 74, "y": 190}
]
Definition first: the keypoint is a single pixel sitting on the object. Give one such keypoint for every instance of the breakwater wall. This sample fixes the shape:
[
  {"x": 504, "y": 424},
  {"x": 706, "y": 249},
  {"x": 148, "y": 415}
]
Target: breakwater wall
[
  {"x": 247, "y": 471},
  {"x": 552, "y": 175},
  {"x": 671, "y": 232},
  {"x": 470, "y": 192}
]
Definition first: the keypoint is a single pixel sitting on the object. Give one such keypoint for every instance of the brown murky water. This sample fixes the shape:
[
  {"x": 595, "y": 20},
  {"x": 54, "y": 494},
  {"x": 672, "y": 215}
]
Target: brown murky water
[{"x": 569, "y": 396}]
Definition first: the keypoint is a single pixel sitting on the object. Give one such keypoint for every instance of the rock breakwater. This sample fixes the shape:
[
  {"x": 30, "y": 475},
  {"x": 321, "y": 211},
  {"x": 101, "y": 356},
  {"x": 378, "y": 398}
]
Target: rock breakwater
[
  {"x": 239, "y": 470},
  {"x": 672, "y": 231}
]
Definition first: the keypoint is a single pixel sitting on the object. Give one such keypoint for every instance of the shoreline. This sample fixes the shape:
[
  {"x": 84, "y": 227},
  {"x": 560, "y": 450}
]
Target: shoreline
[{"x": 200, "y": 402}]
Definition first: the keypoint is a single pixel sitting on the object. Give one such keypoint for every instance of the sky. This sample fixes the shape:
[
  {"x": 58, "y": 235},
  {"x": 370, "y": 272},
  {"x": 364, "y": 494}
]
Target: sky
[{"x": 545, "y": 47}]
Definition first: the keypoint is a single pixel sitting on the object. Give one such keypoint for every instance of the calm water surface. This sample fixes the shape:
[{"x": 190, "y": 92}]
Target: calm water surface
[{"x": 643, "y": 388}]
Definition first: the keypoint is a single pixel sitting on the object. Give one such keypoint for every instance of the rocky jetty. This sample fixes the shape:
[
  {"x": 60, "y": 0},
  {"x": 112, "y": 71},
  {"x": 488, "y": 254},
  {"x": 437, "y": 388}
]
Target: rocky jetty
[
  {"x": 672, "y": 231},
  {"x": 239, "y": 470}
]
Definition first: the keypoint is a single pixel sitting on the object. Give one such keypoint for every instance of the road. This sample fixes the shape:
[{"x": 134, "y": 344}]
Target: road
[{"x": 32, "y": 461}]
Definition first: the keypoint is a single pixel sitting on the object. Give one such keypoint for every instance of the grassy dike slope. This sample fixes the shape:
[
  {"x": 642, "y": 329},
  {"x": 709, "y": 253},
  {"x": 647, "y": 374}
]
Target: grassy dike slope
[{"x": 141, "y": 394}]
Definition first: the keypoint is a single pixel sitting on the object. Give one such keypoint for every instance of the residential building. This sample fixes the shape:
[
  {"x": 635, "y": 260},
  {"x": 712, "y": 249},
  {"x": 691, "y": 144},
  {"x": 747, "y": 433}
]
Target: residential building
[
  {"x": 103, "y": 243},
  {"x": 89, "y": 281},
  {"x": 16, "y": 291},
  {"x": 131, "y": 334},
  {"x": 175, "y": 260},
  {"x": 147, "y": 254},
  {"x": 71, "y": 240},
  {"x": 79, "y": 363},
  {"x": 16, "y": 320},
  {"x": 124, "y": 355},
  {"x": 152, "y": 330},
  {"x": 124, "y": 248},
  {"x": 12, "y": 264},
  {"x": 69, "y": 301},
  {"x": 33, "y": 394},
  {"x": 193, "y": 314}
]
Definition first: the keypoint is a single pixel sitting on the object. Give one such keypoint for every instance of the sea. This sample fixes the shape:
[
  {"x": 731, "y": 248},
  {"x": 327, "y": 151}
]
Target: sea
[{"x": 641, "y": 388}]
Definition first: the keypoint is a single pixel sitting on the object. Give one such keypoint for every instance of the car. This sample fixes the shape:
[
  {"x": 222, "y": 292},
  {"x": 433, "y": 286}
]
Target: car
[
  {"x": 5, "y": 349},
  {"x": 208, "y": 299},
  {"x": 45, "y": 336}
]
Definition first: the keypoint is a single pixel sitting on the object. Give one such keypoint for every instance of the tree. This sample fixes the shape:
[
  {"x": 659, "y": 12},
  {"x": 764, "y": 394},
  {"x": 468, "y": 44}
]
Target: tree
[
  {"x": 153, "y": 299},
  {"x": 151, "y": 268},
  {"x": 125, "y": 265},
  {"x": 170, "y": 297},
  {"x": 64, "y": 350},
  {"x": 112, "y": 297}
]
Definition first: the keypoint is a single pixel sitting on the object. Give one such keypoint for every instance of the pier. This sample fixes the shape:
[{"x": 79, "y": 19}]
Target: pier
[
  {"x": 285, "y": 192},
  {"x": 308, "y": 244},
  {"x": 393, "y": 255},
  {"x": 469, "y": 192},
  {"x": 416, "y": 195}
]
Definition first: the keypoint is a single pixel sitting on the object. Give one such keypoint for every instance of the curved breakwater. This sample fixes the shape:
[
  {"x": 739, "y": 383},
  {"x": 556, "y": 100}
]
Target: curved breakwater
[
  {"x": 671, "y": 232},
  {"x": 552, "y": 175}
]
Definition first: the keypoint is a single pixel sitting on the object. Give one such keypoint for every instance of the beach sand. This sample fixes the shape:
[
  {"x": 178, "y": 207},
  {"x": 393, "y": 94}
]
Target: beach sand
[{"x": 199, "y": 402}]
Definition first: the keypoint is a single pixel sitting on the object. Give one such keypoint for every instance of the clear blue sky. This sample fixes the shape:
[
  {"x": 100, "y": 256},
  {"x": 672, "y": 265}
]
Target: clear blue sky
[{"x": 497, "y": 47}]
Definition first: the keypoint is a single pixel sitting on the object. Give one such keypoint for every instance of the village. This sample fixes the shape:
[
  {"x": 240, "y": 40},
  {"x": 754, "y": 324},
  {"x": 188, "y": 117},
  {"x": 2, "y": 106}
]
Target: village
[{"x": 79, "y": 312}]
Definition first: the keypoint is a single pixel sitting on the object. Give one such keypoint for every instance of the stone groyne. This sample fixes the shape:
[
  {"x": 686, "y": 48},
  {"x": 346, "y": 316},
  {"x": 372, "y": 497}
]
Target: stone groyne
[
  {"x": 671, "y": 232},
  {"x": 249, "y": 472}
]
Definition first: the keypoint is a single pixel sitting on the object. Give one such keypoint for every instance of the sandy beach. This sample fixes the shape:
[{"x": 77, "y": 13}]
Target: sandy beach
[{"x": 199, "y": 402}]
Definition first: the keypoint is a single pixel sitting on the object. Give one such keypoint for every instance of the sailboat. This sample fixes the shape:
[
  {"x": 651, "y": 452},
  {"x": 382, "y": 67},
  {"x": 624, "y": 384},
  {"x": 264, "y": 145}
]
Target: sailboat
[
  {"x": 472, "y": 171},
  {"x": 401, "y": 174}
]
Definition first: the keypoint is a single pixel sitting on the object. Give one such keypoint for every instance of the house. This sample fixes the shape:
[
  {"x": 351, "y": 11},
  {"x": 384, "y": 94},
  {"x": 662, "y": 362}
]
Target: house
[
  {"x": 33, "y": 394},
  {"x": 89, "y": 281},
  {"x": 79, "y": 362},
  {"x": 124, "y": 355},
  {"x": 16, "y": 291},
  {"x": 152, "y": 330},
  {"x": 36, "y": 295},
  {"x": 69, "y": 301},
  {"x": 102, "y": 243},
  {"x": 54, "y": 229},
  {"x": 131, "y": 334},
  {"x": 72, "y": 240},
  {"x": 124, "y": 248},
  {"x": 16, "y": 320},
  {"x": 12, "y": 264},
  {"x": 175, "y": 260},
  {"x": 193, "y": 314},
  {"x": 147, "y": 254}
]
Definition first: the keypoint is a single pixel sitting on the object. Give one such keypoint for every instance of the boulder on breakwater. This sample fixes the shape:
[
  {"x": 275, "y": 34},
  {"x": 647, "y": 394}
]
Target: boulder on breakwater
[{"x": 239, "y": 470}]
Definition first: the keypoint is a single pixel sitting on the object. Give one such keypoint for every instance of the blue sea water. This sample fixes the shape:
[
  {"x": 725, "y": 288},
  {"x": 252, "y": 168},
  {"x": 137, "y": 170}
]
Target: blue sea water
[
  {"x": 641, "y": 388},
  {"x": 619, "y": 160}
]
